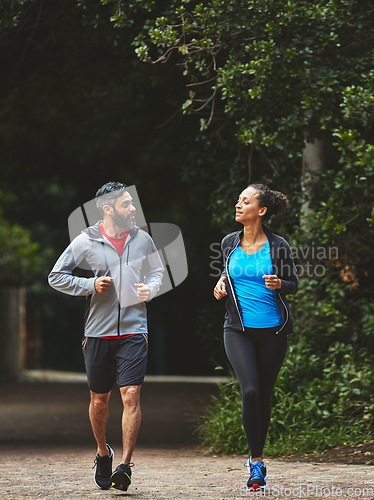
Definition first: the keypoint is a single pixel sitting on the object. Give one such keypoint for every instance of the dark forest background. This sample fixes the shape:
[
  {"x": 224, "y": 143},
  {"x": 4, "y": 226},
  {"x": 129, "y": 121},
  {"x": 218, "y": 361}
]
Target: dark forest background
[
  {"x": 190, "y": 102},
  {"x": 79, "y": 109}
]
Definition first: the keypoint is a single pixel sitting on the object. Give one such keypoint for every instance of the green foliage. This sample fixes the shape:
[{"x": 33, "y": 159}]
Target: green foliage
[
  {"x": 18, "y": 253},
  {"x": 11, "y": 12},
  {"x": 276, "y": 73},
  {"x": 281, "y": 69},
  {"x": 323, "y": 394},
  {"x": 79, "y": 109},
  {"x": 221, "y": 425},
  {"x": 264, "y": 77},
  {"x": 331, "y": 406}
]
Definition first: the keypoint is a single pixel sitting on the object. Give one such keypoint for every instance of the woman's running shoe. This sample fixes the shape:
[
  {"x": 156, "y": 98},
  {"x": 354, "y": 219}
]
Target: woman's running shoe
[{"x": 258, "y": 475}]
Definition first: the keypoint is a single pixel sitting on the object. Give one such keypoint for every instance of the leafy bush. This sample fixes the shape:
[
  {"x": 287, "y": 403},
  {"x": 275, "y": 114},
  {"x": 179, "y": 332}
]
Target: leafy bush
[
  {"x": 18, "y": 253},
  {"x": 323, "y": 394}
]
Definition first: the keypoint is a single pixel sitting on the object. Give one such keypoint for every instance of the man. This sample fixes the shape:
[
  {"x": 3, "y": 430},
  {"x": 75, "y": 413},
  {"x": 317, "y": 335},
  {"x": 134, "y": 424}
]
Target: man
[{"x": 122, "y": 271}]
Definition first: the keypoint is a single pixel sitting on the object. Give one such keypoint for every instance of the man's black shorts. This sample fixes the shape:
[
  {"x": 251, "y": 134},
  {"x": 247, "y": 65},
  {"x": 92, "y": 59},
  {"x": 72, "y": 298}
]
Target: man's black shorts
[{"x": 119, "y": 360}]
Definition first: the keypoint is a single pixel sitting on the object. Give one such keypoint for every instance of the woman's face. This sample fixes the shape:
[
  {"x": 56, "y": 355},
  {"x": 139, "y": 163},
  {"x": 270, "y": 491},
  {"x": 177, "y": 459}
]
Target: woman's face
[{"x": 247, "y": 208}]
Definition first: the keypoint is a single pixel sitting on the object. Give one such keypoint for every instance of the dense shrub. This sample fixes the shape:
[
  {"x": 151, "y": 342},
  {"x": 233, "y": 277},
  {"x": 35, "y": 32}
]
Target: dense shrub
[{"x": 323, "y": 395}]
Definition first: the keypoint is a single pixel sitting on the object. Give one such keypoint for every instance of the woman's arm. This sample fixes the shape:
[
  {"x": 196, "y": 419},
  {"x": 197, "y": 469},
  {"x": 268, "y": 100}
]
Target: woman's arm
[{"x": 287, "y": 271}]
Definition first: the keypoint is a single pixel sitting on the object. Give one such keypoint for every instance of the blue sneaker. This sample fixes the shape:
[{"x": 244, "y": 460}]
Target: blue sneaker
[{"x": 258, "y": 475}]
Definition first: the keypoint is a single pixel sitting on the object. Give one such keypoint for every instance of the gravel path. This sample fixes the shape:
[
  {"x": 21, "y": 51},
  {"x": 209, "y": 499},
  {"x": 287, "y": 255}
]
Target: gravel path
[
  {"x": 47, "y": 451},
  {"x": 61, "y": 472}
]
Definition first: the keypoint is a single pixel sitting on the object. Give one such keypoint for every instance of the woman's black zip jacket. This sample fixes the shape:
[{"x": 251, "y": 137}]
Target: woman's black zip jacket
[{"x": 283, "y": 267}]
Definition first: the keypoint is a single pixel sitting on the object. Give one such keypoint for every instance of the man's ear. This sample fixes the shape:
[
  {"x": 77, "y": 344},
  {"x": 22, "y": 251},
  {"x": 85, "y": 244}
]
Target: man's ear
[{"x": 108, "y": 210}]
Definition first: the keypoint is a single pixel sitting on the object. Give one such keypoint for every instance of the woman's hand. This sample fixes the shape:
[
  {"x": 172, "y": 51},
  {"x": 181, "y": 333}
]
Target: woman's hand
[
  {"x": 272, "y": 281},
  {"x": 220, "y": 288}
]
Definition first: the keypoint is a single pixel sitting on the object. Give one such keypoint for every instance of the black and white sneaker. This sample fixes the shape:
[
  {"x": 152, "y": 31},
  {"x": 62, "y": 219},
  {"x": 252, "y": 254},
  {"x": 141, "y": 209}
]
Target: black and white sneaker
[
  {"x": 103, "y": 471},
  {"x": 121, "y": 477}
]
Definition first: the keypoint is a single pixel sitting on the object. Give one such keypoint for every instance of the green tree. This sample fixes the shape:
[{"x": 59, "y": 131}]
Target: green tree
[
  {"x": 18, "y": 263},
  {"x": 286, "y": 79},
  {"x": 268, "y": 82},
  {"x": 276, "y": 74},
  {"x": 18, "y": 252},
  {"x": 11, "y": 13},
  {"x": 79, "y": 109}
]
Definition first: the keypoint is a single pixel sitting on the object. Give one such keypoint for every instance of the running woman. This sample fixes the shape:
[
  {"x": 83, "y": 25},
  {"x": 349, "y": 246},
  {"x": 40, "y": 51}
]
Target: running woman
[
  {"x": 258, "y": 272},
  {"x": 123, "y": 272}
]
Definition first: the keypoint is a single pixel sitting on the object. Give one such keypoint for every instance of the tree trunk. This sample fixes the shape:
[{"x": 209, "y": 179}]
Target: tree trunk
[
  {"x": 12, "y": 330},
  {"x": 33, "y": 342},
  {"x": 312, "y": 166}
]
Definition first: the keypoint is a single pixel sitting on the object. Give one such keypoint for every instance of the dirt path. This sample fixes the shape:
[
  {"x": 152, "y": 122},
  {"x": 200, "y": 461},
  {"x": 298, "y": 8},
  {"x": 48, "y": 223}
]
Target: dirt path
[
  {"x": 47, "y": 451},
  {"x": 58, "y": 473}
]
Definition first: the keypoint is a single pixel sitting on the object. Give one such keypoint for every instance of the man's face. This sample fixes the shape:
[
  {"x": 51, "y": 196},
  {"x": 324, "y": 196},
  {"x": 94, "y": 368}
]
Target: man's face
[{"x": 124, "y": 212}]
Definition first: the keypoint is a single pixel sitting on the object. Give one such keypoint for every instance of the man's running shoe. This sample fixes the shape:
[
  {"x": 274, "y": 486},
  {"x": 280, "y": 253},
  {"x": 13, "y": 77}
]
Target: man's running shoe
[
  {"x": 258, "y": 475},
  {"x": 104, "y": 470},
  {"x": 121, "y": 477}
]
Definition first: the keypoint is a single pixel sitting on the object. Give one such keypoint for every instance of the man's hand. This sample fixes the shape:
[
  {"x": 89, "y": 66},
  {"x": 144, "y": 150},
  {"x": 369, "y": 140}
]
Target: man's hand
[
  {"x": 272, "y": 281},
  {"x": 103, "y": 283},
  {"x": 143, "y": 291},
  {"x": 220, "y": 288}
]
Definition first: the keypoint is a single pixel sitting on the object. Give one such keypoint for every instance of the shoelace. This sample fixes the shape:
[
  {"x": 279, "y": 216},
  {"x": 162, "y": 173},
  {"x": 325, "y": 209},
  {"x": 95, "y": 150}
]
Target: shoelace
[
  {"x": 104, "y": 463},
  {"x": 255, "y": 470},
  {"x": 105, "y": 456},
  {"x": 130, "y": 464}
]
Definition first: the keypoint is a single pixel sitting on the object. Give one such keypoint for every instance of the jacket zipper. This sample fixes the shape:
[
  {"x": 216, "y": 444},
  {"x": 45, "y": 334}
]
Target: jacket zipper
[
  {"x": 284, "y": 305},
  {"x": 232, "y": 288},
  {"x": 120, "y": 284},
  {"x": 120, "y": 292},
  {"x": 233, "y": 294},
  {"x": 284, "y": 324}
]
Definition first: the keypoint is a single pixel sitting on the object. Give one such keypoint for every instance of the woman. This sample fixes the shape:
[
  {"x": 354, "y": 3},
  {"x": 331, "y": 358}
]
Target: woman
[{"x": 258, "y": 272}]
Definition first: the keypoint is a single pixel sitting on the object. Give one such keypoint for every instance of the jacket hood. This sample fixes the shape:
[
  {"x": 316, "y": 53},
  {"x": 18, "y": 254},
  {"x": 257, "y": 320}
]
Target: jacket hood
[{"x": 94, "y": 233}]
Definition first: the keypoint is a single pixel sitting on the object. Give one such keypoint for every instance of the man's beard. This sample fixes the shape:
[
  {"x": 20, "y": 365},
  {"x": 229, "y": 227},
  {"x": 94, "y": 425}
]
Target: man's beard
[{"x": 122, "y": 221}]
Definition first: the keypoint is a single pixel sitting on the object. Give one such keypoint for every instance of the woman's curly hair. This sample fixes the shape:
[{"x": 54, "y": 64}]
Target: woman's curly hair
[{"x": 275, "y": 201}]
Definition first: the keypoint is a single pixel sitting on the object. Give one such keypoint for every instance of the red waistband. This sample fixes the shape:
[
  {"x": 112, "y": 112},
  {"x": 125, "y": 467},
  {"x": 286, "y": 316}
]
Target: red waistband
[{"x": 111, "y": 337}]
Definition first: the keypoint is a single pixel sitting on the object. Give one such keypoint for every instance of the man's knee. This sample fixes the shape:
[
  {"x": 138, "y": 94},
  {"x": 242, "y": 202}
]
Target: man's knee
[
  {"x": 100, "y": 400},
  {"x": 130, "y": 395}
]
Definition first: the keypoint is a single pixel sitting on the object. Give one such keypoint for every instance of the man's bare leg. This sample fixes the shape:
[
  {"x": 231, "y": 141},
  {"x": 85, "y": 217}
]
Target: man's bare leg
[
  {"x": 98, "y": 412},
  {"x": 131, "y": 418}
]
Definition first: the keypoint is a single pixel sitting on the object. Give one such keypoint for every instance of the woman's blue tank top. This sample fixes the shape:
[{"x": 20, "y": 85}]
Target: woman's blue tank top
[{"x": 258, "y": 303}]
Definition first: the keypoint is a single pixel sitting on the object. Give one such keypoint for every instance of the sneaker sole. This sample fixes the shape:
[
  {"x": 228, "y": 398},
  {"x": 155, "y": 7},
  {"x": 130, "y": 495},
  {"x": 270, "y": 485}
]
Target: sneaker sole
[
  {"x": 259, "y": 488},
  {"x": 120, "y": 480},
  {"x": 102, "y": 487}
]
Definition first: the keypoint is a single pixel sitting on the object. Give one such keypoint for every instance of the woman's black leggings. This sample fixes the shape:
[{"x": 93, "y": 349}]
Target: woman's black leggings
[{"x": 256, "y": 356}]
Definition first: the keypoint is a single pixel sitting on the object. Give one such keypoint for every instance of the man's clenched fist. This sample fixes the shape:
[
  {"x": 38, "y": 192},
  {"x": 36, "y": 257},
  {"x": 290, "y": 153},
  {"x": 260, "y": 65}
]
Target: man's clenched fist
[
  {"x": 103, "y": 283},
  {"x": 143, "y": 291}
]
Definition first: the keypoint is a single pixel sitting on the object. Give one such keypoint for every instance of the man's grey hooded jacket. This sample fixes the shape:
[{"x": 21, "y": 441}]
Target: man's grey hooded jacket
[{"x": 116, "y": 311}]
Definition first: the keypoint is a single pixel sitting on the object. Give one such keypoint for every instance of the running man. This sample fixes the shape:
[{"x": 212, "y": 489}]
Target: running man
[{"x": 123, "y": 271}]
